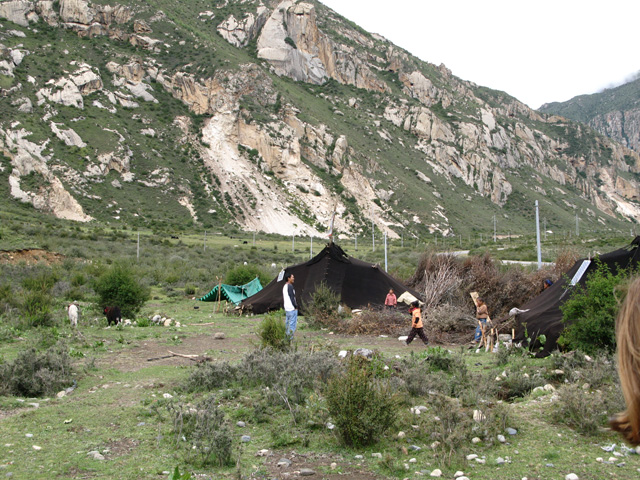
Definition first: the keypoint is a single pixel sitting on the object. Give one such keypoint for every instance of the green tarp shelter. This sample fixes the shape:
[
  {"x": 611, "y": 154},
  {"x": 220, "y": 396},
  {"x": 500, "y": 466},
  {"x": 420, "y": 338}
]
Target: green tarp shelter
[{"x": 233, "y": 293}]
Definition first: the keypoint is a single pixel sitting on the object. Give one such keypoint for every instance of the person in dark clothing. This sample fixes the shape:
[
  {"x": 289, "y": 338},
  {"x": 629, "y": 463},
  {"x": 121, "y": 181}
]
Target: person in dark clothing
[{"x": 416, "y": 324}]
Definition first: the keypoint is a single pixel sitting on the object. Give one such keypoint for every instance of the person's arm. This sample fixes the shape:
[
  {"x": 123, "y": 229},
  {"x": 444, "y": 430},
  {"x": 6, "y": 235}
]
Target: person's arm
[{"x": 292, "y": 297}]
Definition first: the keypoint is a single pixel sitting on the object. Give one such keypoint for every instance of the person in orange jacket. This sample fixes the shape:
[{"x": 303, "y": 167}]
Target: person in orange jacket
[{"x": 416, "y": 324}]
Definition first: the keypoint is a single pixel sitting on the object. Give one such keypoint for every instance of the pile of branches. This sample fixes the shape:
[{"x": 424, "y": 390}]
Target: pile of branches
[{"x": 446, "y": 282}]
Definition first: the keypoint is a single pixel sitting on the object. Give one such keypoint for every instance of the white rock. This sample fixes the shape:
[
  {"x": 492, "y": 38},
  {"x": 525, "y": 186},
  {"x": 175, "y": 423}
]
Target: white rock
[
  {"x": 167, "y": 395},
  {"x": 333, "y": 466},
  {"x": 412, "y": 460},
  {"x": 219, "y": 336},
  {"x": 475, "y": 440},
  {"x": 458, "y": 474},
  {"x": 401, "y": 434},
  {"x": 478, "y": 416},
  {"x": 376, "y": 455},
  {"x": 571, "y": 476},
  {"x": 36, "y": 447},
  {"x": 472, "y": 456},
  {"x": 549, "y": 388},
  {"x": 481, "y": 460},
  {"x": 436, "y": 473},
  {"x": 501, "y": 439},
  {"x": 599, "y": 459}
]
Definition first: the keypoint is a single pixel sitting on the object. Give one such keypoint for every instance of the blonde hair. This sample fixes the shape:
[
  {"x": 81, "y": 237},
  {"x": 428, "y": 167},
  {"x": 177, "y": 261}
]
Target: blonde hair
[{"x": 628, "y": 340}]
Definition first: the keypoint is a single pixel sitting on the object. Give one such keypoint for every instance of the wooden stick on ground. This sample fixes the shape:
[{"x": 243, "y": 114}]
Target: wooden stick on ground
[{"x": 173, "y": 354}]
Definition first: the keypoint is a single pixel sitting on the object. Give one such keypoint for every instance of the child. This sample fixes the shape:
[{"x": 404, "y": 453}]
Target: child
[
  {"x": 416, "y": 324},
  {"x": 628, "y": 340}
]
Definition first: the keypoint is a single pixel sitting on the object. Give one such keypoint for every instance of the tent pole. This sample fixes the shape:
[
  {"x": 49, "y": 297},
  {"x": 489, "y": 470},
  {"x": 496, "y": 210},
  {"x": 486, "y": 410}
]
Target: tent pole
[{"x": 219, "y": 292}]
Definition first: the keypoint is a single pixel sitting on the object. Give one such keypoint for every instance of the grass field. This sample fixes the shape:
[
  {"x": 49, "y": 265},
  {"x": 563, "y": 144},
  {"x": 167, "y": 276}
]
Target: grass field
[{"x": 119, "y": 409}]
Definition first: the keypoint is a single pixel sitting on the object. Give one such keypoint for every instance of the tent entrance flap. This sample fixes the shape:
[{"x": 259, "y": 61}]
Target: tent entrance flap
[{"x": 233, "y": 293}]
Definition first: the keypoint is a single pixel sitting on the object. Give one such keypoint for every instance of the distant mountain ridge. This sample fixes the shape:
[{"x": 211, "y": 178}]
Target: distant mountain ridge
[
  {"x": 268, "y": 116},
  {"x": 614, "y": 112}
]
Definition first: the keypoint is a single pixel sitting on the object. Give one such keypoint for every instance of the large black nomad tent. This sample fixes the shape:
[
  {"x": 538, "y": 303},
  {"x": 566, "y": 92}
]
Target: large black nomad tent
[
  {"x": 542, "y": 315},
  {"x": 357, "y": 283}
]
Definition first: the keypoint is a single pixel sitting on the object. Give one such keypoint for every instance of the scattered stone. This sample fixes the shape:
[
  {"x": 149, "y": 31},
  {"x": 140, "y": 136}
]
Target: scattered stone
[
  {"x": 511, "y": 431},
  {"x": 434, "y": 445},
  {"x": 376, "y": 455},
  {"x": 306, "y": 472},
  {"x": 333, "y": 466},
  {"x": 245, "y": 438},
  {"x": 61, "y": 394},
  {"x": 167, "y": 395},
  {"x": 436, "y": 473},
  {"x": 475, "y": 440},
  {"x": 478, "y": 416},
  {"x": 29, "y": 435},
  {"x": 241, "y": 424},
  {"x": 472, "y": 456},
  {"x": 571, "y": 476},
  {"x": 141, "y": 424},
  {"x": 95, "y": 455},
  {"x": 500, "y": 461},
  {"x": 612, "y": 460},
  {"x": 549, "y": 388},
  {"x": 401, "y": 434},
  {"x": 501, "y": 439},
  {"x": 36, "y": 447},
  {"x": 413, "y": 460},
  {"x": 599, "y": 459},
  {"x": 363, "y": 352},
  {"x": 415, "y": 448},
  {"x": 550, "y": 465},
  {"x": 34, "y": 404},
  {"x": 463, "y": 478},
  {"x": 219, "y": 336},
  {"x": 482, "y": 461},
  {"x": 330, "y": 426},
  {"x": 342, "y": 354},
  {"x": 284, "y": 462},
  {"x": 558, "y": 372},
  {"x": 262, "y": 453},
  {"x": 358, "y": 457},
  {"x": 458, "y": 474}
]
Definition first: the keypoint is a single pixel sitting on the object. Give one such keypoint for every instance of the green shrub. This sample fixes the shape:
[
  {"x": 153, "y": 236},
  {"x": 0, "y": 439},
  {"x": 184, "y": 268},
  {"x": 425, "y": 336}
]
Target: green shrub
[
  {"x": 323, "y": 307},
  {"x": 243, "y": 274},
  {"x": 119, "y": 286},
  {"x": 190, "y": 290},
  {"x": 272, "y": 331},
  {"x": 36, "y": 308},
  {"x": 590, "y": 312},
  {"x": 362, "y": 408},
  {"x": 586, "y": 411},
  {"x": 209, "y": 376},
  {"x": 35, "y": 374},
  {"x": 202, "y": 432}
]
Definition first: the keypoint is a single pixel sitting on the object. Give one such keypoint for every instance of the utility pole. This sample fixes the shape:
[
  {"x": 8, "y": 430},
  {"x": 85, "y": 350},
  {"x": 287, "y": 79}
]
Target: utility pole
[
  {"x": 385, "y": 251},
  {"x": 373, "y": 232},
  {"x": 494, "y": 229},
  {"x": 538, "y": 236}
]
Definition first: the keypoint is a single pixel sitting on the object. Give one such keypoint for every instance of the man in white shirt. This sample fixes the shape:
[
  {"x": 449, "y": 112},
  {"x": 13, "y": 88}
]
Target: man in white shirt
[{"x": 290, "y": 306}]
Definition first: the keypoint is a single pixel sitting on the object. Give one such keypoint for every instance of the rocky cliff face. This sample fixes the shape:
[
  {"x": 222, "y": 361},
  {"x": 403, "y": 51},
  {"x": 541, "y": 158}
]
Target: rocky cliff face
[
  {"x": 622, "y": 126},
  {"x": 366, "y": 129}
]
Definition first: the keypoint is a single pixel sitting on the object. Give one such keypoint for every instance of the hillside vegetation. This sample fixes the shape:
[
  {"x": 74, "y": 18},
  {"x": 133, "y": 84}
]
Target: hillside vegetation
[{"x": 239, "y": 116}]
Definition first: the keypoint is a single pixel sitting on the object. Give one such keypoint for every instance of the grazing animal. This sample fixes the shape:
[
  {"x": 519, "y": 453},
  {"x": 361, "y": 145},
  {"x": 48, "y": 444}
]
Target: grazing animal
[
  {"x": 73, "y": 312},
  {"x": 113, "y": 315}
]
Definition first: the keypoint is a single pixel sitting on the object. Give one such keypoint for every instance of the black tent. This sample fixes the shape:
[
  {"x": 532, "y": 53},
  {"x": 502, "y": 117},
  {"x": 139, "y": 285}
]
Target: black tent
[
  {"x": 358, "y": 283},
  {"x": 543, "y": 315}
]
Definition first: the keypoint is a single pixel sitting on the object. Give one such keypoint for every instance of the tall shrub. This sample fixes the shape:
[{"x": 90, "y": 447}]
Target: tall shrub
[
  {"x": 119, "y": 286},
  {"x": 362, "y": 407},
  {"x": 590, "y": 313}
]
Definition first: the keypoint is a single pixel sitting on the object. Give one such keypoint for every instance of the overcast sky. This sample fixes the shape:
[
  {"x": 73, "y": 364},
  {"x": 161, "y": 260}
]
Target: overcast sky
[{"x": 538, "y": 51}]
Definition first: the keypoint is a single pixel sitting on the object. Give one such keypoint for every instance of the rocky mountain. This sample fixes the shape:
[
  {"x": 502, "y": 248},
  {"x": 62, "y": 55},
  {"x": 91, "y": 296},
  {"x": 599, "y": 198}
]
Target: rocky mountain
[
  {"x": 271, "y": 115},
  {"x": 614, "y": 112}
]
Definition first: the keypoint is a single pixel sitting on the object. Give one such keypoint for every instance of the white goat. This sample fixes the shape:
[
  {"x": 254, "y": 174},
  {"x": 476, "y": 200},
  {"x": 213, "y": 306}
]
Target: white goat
[{"x": 73, "y": 314}]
